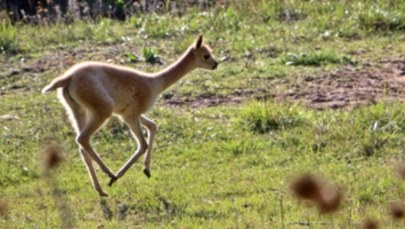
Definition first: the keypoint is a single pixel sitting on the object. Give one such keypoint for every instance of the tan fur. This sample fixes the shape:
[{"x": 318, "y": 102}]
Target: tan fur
[{"x": 91, "y": 92}]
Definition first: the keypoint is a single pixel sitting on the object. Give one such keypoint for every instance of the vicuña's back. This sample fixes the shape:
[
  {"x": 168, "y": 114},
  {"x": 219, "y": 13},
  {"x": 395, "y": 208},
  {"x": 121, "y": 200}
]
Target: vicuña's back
[
  {"x": 91, "y": 92},
  {"x": 127, "y": 90}
]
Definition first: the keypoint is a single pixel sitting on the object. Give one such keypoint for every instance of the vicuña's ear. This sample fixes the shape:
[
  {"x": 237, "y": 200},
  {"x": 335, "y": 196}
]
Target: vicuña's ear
[{"x": 198, "y": 42}]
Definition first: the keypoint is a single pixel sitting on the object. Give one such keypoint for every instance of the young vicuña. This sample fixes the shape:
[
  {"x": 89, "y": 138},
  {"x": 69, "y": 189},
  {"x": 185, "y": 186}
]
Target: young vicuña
[{"x": 92, "y": 92}]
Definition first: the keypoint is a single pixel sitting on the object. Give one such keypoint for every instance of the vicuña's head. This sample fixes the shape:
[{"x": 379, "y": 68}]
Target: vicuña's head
[{"x": 203, "y": 55}]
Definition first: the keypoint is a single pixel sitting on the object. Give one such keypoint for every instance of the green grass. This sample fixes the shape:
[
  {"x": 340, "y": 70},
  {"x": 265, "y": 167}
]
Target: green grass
[
  {"x": 266, "y": 117},
  {"x": 226, "y": 166},
  {"x": 315, "y": 58},
  {"x": 380, "y": 19}
]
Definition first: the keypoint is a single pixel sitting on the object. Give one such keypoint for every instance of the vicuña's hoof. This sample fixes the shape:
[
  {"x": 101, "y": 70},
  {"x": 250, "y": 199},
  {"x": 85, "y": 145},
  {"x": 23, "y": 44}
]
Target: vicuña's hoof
[
  {"x": 113, "y": 179},
  {"x": 147, "y": 172},
  {"x": 102, "y": 193}
]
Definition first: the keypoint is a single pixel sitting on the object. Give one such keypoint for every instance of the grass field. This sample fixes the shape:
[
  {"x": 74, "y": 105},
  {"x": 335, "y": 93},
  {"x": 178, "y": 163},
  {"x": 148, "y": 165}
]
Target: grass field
[{"x": 303, "y": 86}]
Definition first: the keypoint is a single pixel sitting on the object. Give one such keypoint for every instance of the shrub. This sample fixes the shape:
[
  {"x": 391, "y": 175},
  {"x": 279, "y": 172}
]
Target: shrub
[{"x": 8, "y": 38}]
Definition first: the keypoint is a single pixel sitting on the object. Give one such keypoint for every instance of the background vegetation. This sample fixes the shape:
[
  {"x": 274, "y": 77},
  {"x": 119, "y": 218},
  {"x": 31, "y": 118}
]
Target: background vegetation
[{"x": 230, "y": 141}]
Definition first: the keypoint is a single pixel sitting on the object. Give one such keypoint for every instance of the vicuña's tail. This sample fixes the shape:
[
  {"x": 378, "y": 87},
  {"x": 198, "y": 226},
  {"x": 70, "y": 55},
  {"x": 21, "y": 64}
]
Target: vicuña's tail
[{"x": 56, "y": 83}]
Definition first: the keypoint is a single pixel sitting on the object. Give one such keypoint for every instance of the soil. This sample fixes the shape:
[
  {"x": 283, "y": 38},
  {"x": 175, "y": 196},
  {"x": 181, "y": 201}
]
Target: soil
[{"x": 346, "y": 87}]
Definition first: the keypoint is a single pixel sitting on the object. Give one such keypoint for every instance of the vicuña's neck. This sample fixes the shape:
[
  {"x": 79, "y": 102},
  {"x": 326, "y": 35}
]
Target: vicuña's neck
[{"x": 176, "y": 71}]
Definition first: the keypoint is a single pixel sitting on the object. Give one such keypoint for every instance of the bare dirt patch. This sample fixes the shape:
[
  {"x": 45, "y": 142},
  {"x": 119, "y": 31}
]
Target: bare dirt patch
[
  {"x": 349, "y": 86},
  {"x": 209, "y": 99},
  {"x": 346, "y": 87}
]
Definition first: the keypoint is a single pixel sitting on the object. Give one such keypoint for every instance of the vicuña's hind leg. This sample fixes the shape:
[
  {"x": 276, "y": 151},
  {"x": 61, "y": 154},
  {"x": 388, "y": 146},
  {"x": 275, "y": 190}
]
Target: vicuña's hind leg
[
  {"x": 152, "y": 128},
  {"x": 91, "y": 95},
  {"x": 90, "y": 169},
  {"x": 78, "y": 119},
  {"x": 88, "y": 161},
  {"x": 93, "y": 122}
]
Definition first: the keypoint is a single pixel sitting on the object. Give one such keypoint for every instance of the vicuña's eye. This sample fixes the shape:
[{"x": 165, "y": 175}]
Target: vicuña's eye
[{"x": 206, "y": 57}]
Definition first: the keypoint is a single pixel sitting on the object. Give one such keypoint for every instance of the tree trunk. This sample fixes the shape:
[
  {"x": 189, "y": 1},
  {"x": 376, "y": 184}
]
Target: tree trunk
[{"x": 23, "y": 9}]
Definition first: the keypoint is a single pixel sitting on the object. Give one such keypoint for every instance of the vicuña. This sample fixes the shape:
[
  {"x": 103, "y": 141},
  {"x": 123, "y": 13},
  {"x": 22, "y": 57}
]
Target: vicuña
[{"x": 92, "y": 92}]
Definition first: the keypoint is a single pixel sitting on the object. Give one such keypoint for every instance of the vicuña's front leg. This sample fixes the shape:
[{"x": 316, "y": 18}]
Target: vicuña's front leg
[
  {"x": 152, "y": 128},
  {"x": 135, "y": 127}
]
